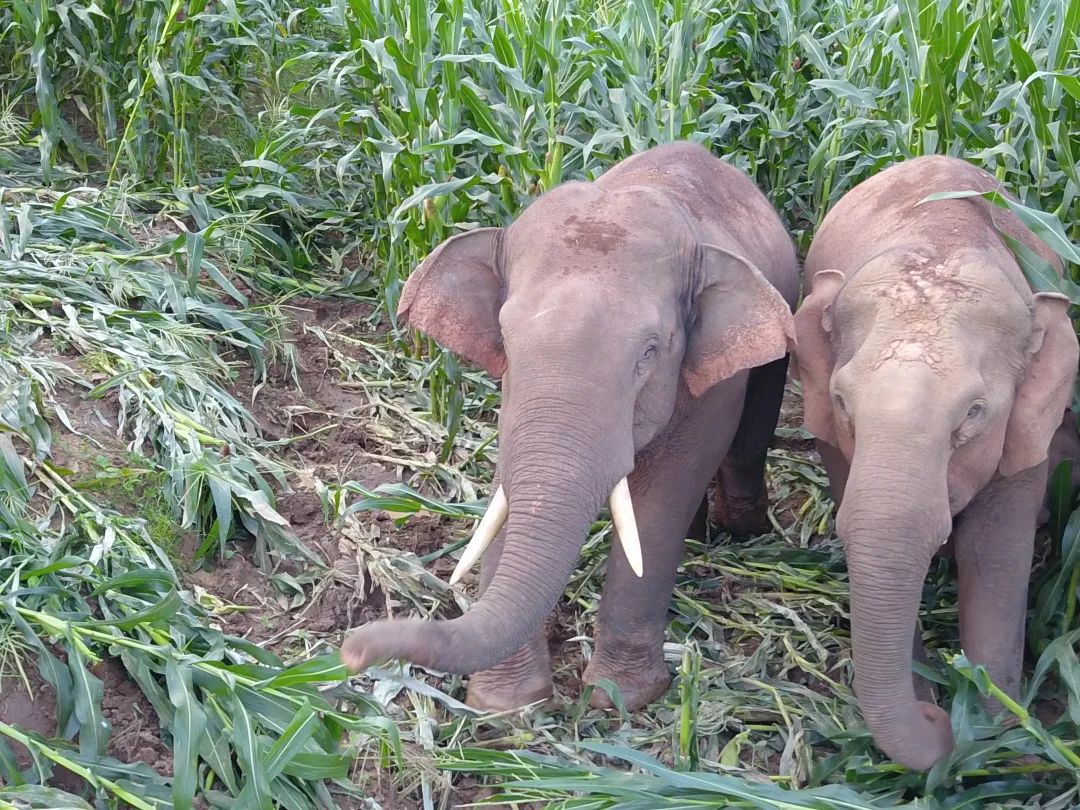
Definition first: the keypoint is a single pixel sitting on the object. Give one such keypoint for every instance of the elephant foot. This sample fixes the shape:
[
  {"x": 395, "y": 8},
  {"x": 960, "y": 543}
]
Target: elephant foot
[
  {"x": 522, "y": 679},
  {"x": 639, "y": 684},
  {"x": 489, "y": 695},
  {"x": 739, "y": 515}
]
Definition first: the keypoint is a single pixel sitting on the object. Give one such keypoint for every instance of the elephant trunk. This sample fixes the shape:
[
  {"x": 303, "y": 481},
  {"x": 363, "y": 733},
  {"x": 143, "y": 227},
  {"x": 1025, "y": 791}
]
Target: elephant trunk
[
  {"x": 559, "y": 461},
  {"x": 895, "y": 515}
]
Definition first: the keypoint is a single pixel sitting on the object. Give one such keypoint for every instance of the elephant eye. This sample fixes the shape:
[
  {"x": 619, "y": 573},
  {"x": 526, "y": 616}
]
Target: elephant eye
[
  {"x": 972, "y": 425},
  {"x": 645, "y": 363},
  {"x": 651, "y": 349}
]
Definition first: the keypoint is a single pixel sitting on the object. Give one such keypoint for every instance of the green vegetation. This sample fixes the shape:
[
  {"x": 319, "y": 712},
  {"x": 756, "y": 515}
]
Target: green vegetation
[
  {"x": 135, "y": 487},
  {"x": 176, "y": 177}
]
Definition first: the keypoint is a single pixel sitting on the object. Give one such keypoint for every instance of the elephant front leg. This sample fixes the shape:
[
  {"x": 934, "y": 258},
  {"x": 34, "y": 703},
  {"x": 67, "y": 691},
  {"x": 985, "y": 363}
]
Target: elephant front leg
[
  {"x": 632, "y": 616},
  {"x": 524, "y": 677},
  {"x": 994, "y": 540},
  {"x": 666, "y": 489}
]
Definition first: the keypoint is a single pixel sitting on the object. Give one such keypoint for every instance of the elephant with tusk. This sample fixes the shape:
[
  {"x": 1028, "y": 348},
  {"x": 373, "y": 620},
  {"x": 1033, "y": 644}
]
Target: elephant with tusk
[
  {"x": 934, "y": 380},
  {"x": 640, "y": 324}
]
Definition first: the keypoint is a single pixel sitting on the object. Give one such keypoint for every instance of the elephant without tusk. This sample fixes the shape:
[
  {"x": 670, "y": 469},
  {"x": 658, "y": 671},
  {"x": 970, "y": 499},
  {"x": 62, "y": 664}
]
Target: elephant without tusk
[{"x": 934, "y": 381}]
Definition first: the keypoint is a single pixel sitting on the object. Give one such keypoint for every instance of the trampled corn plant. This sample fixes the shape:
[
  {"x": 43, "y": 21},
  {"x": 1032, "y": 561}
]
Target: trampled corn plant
[
  {"x": 761, "y": 667},
  {"x": 155, "y": 336},
  {"x": 244, "y": 731},
  {"x": 242, "y": 728}
]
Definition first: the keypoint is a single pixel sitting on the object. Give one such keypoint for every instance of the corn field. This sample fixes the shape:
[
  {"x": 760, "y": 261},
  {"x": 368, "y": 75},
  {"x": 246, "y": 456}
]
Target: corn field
[{"x": 219, "y": 451}]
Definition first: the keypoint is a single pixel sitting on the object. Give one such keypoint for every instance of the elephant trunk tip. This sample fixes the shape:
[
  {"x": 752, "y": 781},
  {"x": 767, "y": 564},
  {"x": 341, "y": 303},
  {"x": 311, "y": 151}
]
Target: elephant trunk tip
[
  {"x": 414, "y": 640},
  {"x": 357, "y": 653},
  {"x": 362, "y": 648}
]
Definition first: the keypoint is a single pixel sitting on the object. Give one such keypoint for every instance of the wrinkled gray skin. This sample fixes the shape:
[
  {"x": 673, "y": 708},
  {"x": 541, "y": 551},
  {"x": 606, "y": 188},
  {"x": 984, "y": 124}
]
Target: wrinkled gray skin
[
  {"x": 934, "y": 382},
  {"x": 624, "y": 325}
]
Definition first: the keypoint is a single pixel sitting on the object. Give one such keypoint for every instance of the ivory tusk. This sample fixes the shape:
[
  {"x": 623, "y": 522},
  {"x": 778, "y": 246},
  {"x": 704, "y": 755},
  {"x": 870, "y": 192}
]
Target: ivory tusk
[
  {"x": 622, "y": 514},
  {"x": 490, "y": 523}
]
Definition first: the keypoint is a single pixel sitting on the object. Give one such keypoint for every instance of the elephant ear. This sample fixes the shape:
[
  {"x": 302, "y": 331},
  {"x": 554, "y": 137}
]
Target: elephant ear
[
  {"x": 815, "y": 359},
  {"x": 454, "y": 297},
  {"x": 741, "y": 321},
  {"x": 1046, "y": 389}
]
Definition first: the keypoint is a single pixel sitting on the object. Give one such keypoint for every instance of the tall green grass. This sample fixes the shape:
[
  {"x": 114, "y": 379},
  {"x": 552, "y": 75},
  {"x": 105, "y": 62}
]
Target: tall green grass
[{"x": 281, "y": 137}]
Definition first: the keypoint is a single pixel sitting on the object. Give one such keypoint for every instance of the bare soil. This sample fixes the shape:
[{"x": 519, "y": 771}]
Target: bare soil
[
  {"x": 33, "y": 709},
  {"x": 136, "y": 735},
  {"x": 324, "y": 427}
]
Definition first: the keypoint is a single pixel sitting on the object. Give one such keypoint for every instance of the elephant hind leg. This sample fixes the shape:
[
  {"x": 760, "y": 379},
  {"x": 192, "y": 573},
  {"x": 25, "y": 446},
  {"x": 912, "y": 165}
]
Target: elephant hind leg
[{"x": 740, "y": 500}]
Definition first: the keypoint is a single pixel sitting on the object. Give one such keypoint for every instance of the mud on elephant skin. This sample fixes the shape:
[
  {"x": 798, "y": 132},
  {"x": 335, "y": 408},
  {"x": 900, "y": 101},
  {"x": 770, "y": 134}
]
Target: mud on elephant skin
[
  {"x": 629, "y": 318},
  {"x": 934, "y": 381}
]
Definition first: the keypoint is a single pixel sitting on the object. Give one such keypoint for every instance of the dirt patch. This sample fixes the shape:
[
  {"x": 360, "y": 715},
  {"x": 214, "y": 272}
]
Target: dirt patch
[
  {"x": 135, "y": 737},
  {"x": 424, "y": 535},
  {"x": 568, "y": 660},
  {"x": 391, "y": 792},
  {"x": 320, "y": 413},
  {"x": 789, "y": 432},
  {"x": 136, "y": 734},
  {"x": 325, "y": 427},
  {"x": 347, "y": 597},
  {"x": 95, "y": 421},
  {"x": 797, "y": 481},
  {"x": 94, "y": 459},
  {"x": 239, "y": 597},
  {"x": 321, "y": 424},
  {"x": 33, "y": 710}
]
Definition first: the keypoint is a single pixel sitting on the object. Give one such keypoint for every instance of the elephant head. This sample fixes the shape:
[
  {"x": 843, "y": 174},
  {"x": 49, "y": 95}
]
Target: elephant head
[
  {"x": 599, "y": 308},
  {"x": 931, "y": 372}
]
